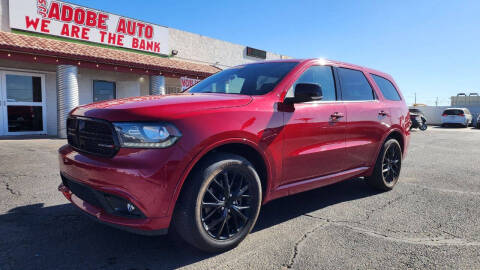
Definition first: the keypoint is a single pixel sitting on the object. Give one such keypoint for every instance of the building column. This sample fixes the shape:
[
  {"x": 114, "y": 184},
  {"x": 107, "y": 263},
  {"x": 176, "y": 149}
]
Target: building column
[
  {"x": 157, "y": 85},
  {"x": 67, "y": 96}
]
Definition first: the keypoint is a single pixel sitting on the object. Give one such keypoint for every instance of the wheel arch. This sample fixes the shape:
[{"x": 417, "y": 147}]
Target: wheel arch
[
  {"x": 241, "y": 147},
  {"x": 397, "y": 135},
  {"x": 394, "y": 133}
]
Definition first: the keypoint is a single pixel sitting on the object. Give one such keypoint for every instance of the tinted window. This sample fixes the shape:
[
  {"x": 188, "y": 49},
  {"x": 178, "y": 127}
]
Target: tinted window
[
  {"x": 103, "y": 90},
  {"x": 387, "y": 88},
  {"x": 415, "y": 111},
  {"x": 321, "y": 75},
  {"x": 354, "y": 85},
  {"x": 453, "y": 112},
  {"x": 252, "y": 79},
  {"x": 24, "y": 88}
]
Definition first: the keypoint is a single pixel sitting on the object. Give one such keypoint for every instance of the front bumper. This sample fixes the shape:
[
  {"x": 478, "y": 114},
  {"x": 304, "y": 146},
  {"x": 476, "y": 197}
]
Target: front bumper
[
  {"x": 99, "y": 215},
  {"x": 144, "y": 178}
]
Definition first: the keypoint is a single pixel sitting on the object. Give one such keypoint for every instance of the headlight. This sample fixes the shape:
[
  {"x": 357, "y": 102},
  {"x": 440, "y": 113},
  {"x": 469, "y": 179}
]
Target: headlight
[{"x": 146, "y": 135}]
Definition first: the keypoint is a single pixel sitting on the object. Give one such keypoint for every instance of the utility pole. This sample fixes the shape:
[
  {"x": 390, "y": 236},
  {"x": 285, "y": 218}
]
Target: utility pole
[
  {"x": 415, "y": 104},
  {"x": 436, "y": 102}
]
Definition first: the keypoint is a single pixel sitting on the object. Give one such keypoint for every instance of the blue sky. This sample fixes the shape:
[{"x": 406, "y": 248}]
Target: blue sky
[{"x": 429, "y": 47}]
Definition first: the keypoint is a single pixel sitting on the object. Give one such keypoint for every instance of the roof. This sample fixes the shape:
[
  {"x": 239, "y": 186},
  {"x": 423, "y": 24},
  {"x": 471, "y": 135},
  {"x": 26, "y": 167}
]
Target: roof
[{"x": 71, "y": 50}]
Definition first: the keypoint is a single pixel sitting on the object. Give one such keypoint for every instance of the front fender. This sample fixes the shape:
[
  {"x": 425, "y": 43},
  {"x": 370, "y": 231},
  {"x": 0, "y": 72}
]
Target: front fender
[{"x": 213, "y": 143}]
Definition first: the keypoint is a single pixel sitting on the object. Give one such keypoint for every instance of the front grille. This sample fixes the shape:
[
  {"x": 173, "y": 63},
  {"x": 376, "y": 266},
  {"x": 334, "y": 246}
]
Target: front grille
[
  {"x": 83, "y": 192},
  {"x": 92, "y": 136}
]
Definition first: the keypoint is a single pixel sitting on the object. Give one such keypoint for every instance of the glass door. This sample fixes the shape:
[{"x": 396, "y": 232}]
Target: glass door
[{"x": 23, "y": 96}]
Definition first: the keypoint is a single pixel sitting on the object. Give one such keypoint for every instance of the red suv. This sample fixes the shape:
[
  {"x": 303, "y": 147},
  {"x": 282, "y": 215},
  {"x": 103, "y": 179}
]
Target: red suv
[{"x": 202, "y": 162}]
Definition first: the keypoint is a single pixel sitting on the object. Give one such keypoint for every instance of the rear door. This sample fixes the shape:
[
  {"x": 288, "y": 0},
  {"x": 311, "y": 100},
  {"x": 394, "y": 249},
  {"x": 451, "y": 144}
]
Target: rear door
[
  {"x": 367, "y": 118},
  {"x": 314, "y": 132}
]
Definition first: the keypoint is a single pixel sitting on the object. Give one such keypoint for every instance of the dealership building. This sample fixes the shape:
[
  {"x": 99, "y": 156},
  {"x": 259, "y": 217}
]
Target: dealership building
[{"x": 55, "y": 56}]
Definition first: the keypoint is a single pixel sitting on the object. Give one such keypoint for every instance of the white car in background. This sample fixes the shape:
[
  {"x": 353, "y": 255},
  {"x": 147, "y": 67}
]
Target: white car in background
[
  {"x": 478, "y": 121},
  {"x": 456, "y": 116}
]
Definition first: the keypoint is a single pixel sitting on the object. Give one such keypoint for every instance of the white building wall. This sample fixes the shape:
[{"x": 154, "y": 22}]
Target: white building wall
[
  {"x": 434, "y": 113},
  {"x": 202, "y": 49},
  {"x": 87, "y": 76},
  {"x": 4, "y": 19},
  {"x": 465, "y": 101}
]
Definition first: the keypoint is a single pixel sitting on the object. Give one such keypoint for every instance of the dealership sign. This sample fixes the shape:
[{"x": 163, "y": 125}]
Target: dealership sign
[
  {"x": 188, "y": 82},
  {"x": 72, "y": 21}
]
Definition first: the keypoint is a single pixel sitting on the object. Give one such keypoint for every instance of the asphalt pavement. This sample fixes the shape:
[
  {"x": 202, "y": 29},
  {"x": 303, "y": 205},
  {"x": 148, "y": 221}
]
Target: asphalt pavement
[{"x": 430, "y": 220}]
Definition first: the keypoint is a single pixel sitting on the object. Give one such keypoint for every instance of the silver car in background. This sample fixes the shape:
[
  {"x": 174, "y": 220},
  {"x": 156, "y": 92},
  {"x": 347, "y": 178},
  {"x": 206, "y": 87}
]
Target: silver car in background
[{"x": 457, "y": 116}]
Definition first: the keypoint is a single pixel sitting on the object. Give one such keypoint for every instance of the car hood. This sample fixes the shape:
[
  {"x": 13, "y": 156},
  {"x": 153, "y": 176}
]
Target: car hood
[{"x": 150, "y": 108}]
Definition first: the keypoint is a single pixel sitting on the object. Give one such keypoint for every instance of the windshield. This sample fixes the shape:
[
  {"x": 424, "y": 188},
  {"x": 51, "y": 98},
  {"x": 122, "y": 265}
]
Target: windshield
[{"x": 252, "y": 79}]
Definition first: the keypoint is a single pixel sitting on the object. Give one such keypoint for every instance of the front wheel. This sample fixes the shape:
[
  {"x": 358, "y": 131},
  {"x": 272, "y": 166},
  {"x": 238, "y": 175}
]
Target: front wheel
[
  {"x": 423, "y": 127},
  {"x": 220, "y": 205},
  {"x": 387, "y": 167}
]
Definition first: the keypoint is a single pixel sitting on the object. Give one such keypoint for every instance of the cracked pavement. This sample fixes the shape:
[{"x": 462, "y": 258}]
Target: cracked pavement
[{"x": 430, "y": 219}]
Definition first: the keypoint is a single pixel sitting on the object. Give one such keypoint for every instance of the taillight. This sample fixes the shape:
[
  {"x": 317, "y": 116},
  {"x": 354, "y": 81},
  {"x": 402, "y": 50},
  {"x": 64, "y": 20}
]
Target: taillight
[
  {"x": 444, "y": 114},
  {"x": 461, "y": 114}
]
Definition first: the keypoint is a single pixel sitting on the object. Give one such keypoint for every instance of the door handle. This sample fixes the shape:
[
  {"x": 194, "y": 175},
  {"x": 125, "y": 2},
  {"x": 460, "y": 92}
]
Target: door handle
[
  {"x": 383, "y": 113},
  {"x": 336, "y": 116}
]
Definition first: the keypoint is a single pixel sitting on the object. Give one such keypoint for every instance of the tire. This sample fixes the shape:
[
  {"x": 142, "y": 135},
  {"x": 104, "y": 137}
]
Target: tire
[
  {"x": 385, "y": 181},
  {"x": 206, "y": 216},
  {"x": 423, "y": 127}
]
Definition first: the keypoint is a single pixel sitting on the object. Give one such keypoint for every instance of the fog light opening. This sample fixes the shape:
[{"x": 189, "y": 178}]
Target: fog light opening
[{"x": 123, "y": 207}]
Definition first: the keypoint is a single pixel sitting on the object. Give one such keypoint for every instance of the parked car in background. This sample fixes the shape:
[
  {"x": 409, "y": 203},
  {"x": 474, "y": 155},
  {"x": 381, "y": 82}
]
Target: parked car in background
[
  {"x": 457, "y": 116},
  {"x": 201, "y": 163},
  {"x": 418, "y": 119},
  {"x": 478, "y": 121}
]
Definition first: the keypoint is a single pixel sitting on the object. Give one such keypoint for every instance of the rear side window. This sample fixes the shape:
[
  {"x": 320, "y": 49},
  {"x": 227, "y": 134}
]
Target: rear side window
[
  {"x": 354, "y": 85},
  {"x": 387, "y": 88},
  {"x": 321, "y": 75}
]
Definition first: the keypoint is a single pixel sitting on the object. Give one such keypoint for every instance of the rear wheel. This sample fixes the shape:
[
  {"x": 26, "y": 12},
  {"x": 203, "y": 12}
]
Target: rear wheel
[
  {"x": 220, "y": 206},
  {"x": 387, "y": 167}
]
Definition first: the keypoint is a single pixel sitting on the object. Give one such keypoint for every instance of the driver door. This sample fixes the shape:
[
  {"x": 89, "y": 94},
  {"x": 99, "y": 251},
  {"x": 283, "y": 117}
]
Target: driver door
[{"x": 314, "y": 132}]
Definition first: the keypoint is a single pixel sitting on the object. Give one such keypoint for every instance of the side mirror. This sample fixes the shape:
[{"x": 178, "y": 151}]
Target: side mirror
[{"x": 305, "y": 92}]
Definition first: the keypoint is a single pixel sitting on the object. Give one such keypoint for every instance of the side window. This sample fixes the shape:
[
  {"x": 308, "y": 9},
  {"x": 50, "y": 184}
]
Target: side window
[
  {"x": 321, "y": 75},
  {"x": 387, "y": 88},
  {"x": 354, "y": 85}
]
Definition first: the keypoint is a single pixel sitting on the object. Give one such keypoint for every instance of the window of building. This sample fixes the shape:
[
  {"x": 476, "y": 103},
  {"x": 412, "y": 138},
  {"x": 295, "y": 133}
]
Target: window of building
[
  {"x": 387, "y": 88},
  {"x": 321, "y": 75},
  {"x": 103, "y": 90},
  {"x": 355, "y": 85},
  {"x": 23, "y": 88}
]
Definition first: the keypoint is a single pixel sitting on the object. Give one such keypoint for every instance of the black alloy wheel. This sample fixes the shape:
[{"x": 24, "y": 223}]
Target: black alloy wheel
[
  {"x": 387, "y": 167},
  {"x": 391, "y": 164},
  {"x": 219, "y": 204},
  {"x": 226, "y": 204}
]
